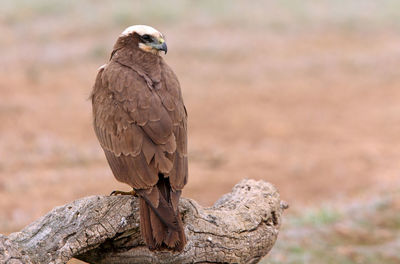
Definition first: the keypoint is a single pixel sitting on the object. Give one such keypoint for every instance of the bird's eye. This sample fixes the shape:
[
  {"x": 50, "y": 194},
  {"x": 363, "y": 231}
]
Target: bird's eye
[{"x": 146, "y": 37}]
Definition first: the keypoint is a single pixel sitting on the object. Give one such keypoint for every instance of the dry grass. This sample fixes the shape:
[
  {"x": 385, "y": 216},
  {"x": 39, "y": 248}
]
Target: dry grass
[{"x": 361, "y": 232}]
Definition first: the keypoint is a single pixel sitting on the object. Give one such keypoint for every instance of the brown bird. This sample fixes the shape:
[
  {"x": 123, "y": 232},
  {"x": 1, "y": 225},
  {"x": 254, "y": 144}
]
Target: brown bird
[{"x": 140, "y": 121}]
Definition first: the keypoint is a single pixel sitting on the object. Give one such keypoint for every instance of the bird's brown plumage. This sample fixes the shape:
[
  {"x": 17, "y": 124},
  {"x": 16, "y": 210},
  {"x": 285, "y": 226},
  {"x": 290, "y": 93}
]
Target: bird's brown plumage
[{"x": 140, "y": 121}]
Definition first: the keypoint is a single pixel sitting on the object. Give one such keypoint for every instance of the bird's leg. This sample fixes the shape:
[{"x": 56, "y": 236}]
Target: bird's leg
[{"x": 123, "y": 193}]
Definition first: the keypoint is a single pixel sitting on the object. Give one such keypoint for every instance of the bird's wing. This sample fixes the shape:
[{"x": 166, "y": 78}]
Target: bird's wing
[
  {"x": 133, "y": 126},
  {"x": 171, "y": 97}
]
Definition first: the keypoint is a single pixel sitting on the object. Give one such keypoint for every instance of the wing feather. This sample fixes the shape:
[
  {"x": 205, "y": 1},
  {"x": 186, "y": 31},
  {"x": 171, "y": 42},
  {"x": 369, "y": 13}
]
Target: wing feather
[
  {"x": 135, "y": 128},
  {"x": 171, "y": 98}
]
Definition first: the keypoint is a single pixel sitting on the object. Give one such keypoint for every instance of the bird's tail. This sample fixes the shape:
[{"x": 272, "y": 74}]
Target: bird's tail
[{"x": 160, "y": 221}]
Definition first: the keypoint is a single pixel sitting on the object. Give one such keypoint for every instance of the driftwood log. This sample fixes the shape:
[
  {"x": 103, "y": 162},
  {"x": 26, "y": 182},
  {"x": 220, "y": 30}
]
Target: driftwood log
[{"x": 241, "y": 227}]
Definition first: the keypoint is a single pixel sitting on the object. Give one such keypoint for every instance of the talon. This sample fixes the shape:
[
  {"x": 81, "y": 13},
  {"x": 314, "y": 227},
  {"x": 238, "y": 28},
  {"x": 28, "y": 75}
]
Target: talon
[{"x": 123, "y": 193}]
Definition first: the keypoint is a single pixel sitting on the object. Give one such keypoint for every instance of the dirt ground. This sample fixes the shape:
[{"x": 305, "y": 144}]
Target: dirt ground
[{"x": 305, "y": 97}]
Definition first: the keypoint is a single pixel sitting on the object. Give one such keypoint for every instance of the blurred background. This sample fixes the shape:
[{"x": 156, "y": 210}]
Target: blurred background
[{"x": 303, "y": 94}]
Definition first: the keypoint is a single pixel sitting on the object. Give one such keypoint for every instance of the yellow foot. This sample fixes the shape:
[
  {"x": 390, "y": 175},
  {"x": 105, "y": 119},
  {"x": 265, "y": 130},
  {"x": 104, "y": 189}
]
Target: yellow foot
[{"x": 123, "y": 193}]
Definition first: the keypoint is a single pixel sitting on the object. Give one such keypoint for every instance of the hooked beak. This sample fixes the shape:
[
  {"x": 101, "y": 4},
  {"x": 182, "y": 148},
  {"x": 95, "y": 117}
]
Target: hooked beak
[{"x": 162, "y": 46}]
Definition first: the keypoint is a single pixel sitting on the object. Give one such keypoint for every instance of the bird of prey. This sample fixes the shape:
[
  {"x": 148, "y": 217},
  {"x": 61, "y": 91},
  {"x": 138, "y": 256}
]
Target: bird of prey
[{"x": 141, "y": 123}]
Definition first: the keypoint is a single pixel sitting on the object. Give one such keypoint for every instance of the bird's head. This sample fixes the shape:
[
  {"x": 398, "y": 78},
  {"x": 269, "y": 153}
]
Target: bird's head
[{"x": 148, "y": 38}]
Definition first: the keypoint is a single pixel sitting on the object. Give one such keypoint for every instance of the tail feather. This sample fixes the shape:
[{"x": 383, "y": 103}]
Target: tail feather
[
  {"x": 176, "y": 239},
  {"x": 145, "y": 227},
  {"x": 158, "y": 228},
  {"x": 161, "y": 226}
]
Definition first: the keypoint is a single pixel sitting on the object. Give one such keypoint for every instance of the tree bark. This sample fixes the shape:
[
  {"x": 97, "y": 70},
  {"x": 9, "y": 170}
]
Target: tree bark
[{"x": 241, "y": 227}]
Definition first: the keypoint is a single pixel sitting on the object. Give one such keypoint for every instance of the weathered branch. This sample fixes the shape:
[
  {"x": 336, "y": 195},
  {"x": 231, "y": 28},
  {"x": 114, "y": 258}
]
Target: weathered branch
[{"x": 241, "y": 227}]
